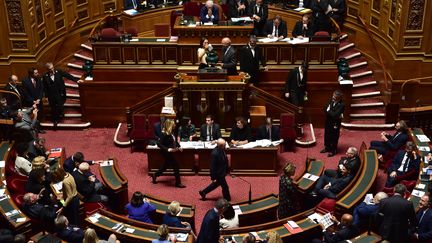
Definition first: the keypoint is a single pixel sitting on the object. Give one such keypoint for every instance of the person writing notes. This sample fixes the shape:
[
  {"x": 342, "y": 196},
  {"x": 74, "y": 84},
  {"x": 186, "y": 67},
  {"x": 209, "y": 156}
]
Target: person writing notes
[{"x": 276, "y": 28}]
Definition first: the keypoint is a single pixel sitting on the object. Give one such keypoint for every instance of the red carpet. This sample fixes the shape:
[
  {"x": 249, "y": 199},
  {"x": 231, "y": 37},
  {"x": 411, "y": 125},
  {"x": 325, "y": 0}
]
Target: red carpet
[{"x": 97, "y": 143}]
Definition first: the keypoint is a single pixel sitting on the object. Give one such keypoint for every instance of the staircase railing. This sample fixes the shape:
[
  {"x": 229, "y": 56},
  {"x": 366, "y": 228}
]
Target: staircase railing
[
  {"x": 68, "y": 31},
  {"x": 381, "y": 62}
]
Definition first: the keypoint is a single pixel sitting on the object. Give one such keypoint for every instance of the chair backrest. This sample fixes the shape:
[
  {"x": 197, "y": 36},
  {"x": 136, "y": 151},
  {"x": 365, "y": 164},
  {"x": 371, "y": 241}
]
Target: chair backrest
[
  {"x": 287, "y": 120},
  {"x": 139, "y": 121},
  {"x": 132, "y": 30},
  {"x": 109, "y": 34},
  {"x": 162, "y": 30},
  {"x": 220, "y": 12},
  {"x": 321, "y": 36},
  {"x": 152, "y": 119},
  {"x": 192, "y": 9},
  {"x": 174, "y": 15}
]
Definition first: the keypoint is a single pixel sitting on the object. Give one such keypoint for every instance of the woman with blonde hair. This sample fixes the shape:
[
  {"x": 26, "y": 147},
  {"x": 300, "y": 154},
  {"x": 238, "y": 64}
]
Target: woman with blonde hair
[
  {"x": 288, "y": 201},
  {"x": 69, "y": 196},
  {"x": 171, "y": 217},
  {"x": 90, "y": 236},
  {"x": 169, "y": 145},
  {"x": 163, "y": 233},
  {"x": 273, "y": 237}
]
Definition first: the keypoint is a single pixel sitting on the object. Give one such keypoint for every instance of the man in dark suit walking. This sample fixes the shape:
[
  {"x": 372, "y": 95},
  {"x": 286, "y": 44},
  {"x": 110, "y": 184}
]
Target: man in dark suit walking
[
  {"x": 258, "y": 12},
  {"x": 218, "y": 171},
  {"x": 276, "y": 28},
  {"x": 334, "y": 112},
  {"x": 229, "y": 57},
  {"x": 295, "y": 85},
  {"x": 209, "y": 232},
  {"x": 268, "y": 131},
  {"x": 397, "y": 216},
  {"x": 210, "y": 131},
  {"x": 55, "y": 90},
  {"x": 250, "y": 58},
  {"x": 424, "y": 220},
  {"x": 404, "y": 164}
]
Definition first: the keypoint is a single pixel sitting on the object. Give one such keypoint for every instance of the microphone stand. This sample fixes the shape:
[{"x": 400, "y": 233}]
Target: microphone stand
[{"x": 250, "y": 187}]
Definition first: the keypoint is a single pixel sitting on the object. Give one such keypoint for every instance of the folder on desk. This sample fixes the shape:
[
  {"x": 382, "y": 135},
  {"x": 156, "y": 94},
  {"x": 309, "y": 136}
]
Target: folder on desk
[{"x": 292, "y": 227}]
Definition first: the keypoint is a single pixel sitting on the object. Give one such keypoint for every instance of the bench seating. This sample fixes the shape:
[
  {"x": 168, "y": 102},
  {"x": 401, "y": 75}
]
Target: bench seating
[{"x": 316, "y": 167}]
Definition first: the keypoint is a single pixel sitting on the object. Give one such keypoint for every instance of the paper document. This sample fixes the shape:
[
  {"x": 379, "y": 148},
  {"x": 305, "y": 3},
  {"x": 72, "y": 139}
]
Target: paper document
[
  {"x": 326, "y": 221},
  {"x": 292, "y": 224},
  {"x": 58, "y": 187},
  {"x": 299, "y": 9},
  {"x": 237, "y": 209},
  {"x": 181, "y": 236},
  {"x": 276, "y": 143},
  {"x": 208, "y": 23},
  {"x": 263, "y": 143},
  {"x": 107, "y": 163},
  {"x": 129, "y": 230},
  {"x": 417, "y": 193},
  {"x": 421, "y": 148},
  {"x": 421, "y": 186},
  {"x": 369, "y": 199},
  {"x": 210, "y": 145},
  {"x": 2, "y": 191},
  {"x": 134, "y": 39},
  {"x": 296, "y": 40},
  {"x": 315, "y": 217},
  {"x": 2, "y": 164},
  {"x": 268, "y": 40},
  {"x": 160, "y": 40},
  {"x": 130, "y": 12},
  {"x": 19, "y": 220},
  {"x": 423, "y": 138},
  {"x": 311, "y": 177},
  {"x": 246, "y": 19}
]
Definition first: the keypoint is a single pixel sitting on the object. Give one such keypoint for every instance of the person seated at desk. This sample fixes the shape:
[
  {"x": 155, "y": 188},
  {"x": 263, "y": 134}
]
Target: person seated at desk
[
  {"x": 404, "y": 164},
  {"x": 186, "y": 131},
  {"x": 75, "y": 160},
  {"x": 210, "y": 131},
  {"x": 37, "y": 148},
  {"x": 268, "y": 131},
  {"x": 209, "y": 13},
  {"x": 329, "y": 187},
  {"x": 140, "y": 208},
  {"x": 66, "y": 232},
  {"x": 171, "y": 216},
  {"x": 37, "y": 210},
  {"x": 87, "y": 185},
  {"x": 339, "y": 231},
  {"x": 202, "y": 52},
  {"x": 303, "y": 28},
  {"x": 367, "y": 211},
  {"x": 163, "y": 232},
  {"x": 424, "y": 220},
  {"x": 352, "y": 159},
  {"x": 240, "y": 133},
  {"x": 22, "y": 162},
  {"x": 90, "y": 236},
  {"x": 237, "y": 8},
  {"x": 276, "y": 28},
  {"x": 258, "y": 12},
  {"x": 391, "y": 143},
  {"x": 229, "y": 57}
]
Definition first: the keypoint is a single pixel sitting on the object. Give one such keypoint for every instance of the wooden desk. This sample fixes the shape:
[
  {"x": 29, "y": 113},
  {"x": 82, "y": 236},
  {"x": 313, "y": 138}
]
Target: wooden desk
[
  {"x": 44, "y": 236},
  {"x": 214, "y": 33},
  {"x": 366, "y": 238},
  {"x": 106, "y": 222},
  {"x": 254, "y": 161},
  {"x": 186, "y": 160},
  {"x": 316, "y": 168},
  {"x": 261, "y": 210},
  {"x": 116, "y": 183}
]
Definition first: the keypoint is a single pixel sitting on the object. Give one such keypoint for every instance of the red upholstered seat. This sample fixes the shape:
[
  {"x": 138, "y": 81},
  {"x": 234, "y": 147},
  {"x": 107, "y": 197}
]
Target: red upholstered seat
[
  {"x": 132, "y": 30},
  {"x": 93, "y": 207},
  {"x": 10, "y": 164},
  {"x": 152, "y": 119},
  {"x": 18, "y": 199},
  {"x": 192, "y": 9},
  {"x": 287, "y": 128},
  {"x": 109, "y": 34},
  {"x": 327, "y": 205},
  {"x": 139, "y": 129},
  {"x": 322, "y": 33},
  {"x": 16, "y": 184},
  {"x": 409, "y": 184}
]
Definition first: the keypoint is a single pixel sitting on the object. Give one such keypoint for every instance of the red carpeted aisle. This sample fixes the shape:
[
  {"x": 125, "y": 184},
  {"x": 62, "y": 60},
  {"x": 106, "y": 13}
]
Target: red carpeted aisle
[{"x": 97, "y": 143}]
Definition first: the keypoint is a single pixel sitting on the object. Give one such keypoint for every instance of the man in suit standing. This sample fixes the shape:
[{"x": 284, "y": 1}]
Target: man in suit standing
[
  {"x": 389, "y": 142},
  {"x": 250, "y": 58},
  {"x": 209, "y": 13},
  {"x": 55, "y": 90},
  {"x": 276, "y": 28},
  {"x": 334, "y": 112},
  {"x": 229, "y": 57},
  {"x": 320, "y": 12},
  {"x": 303, "y": 28},
  {"x": 131, "y": 4},
  {"x": 405, "y": 164},
  {"x": 424, "y": 220},
  {"x": 33, "y": 90},
  {"x": 258, "y": 12},
  {"x": 218, "y": 171},
  {"x": 210, "y": 131},
  {"x": 209, "y": 232},
  {"x": 237, "y": 8},
  {"x": 337, "y": 11},
  {"x": 295, "y": 85},
  {"x": 268, "y": 131},
  {"x": 397, "y": 216}
]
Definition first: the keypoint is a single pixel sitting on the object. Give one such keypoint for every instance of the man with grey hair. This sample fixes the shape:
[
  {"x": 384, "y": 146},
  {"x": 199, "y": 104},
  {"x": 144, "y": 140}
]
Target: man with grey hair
[
  {"x": 397, "y": 216},
  {"x": 352, "y": 159},
  {"x": 209, "y": 13},
  {"x": 218, "y": 171},
  {"x": 424, "y": 218},
  {"x": 229, "y": 57},
  {"x": 367, "y": 210},
  {"x": 209, "y": 232},
  {"x": 88, "y": 186},
  {"x": 36, "y": 210},
  {"x": 55, "y": 90}
]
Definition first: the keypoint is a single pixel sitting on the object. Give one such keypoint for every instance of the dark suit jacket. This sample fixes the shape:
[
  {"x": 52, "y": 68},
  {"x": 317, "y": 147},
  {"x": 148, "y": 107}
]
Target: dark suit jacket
[
  {"x": 129, "y": 5},
  {"x": 40, "y": 212},
  {"x": 396, "y": 142},
  {"x": 218, "y": 164},
  {"x": 172, "y": 221},
  {"x": 229, "y": 60},
  {"x": 334, "y": 114},
  {"x": 353, "y": 163},
  {"x": 55, "y": 89},
  {"x": 33, "y": 152},
  {"x": 340, "y": 6},
  {"x": 203, "y": 15},
  {"x": 166, "y": 142},
  {"x": 17, "y": 90},
  {"x": 414, "y": 164},
  {"x": 338, "y": 184},
  {"x": 282, "y": 28},
  {"x": 232, "y": 9},
  {"x": 84, "y": 186},
  {"x": 397, "y": 217},
  {"x": 296, "y": 86},
  {"x": 249, "y": 63},
  {"x": 262, "y": 133},
  {"x": 71, "y": 235},
  {"x": 216, "y": 133},
  {"x": 299, "y": 30},
  {"x": 209, "y": 232},
  {"x": 342, "y": 233},
  {"x": 69, "y": 164},
  {"x": 262, "y": 13},
  {"x": 31, "y": 93},
  {"x": 424, "y": 228}
]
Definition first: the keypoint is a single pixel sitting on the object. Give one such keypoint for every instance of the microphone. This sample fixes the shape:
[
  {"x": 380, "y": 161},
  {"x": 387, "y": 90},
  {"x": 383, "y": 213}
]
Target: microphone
[{"x": 250, "y": 187}]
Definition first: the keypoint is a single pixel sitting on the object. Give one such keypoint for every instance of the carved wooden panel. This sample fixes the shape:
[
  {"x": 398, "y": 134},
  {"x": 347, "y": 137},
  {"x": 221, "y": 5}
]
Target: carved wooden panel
[
  {"x": 109, "y": 6},
  {"x": 314, "y": 55},
  {"x": 187, "y": 55},
  {"x": 412, "y": 42},
  {"x": 390, "y": 33},
  {"x": 39, "y": 13},
  {"x": 143, "y": 55},
  {"x": 129, "y": 55},
  {"x": 393, "y": 6},
  {"x": 299, "y": 54},
  {"x": 79, "y": 2},
  {"x": 19, "y": 45},
  {"x": 59, "y": 24},
  {"x": 58, "y": 8},
  {"x": 100, "y": 55},
  {"x": 415, "y": 15},
  {"x": 271, "y": 55},
  {"x": 376, "y": 5},
  {"x": 286, "y": 55},
  {"x": 115, "y": 55},
  {"x": 374, "y": 21},
  {"x": 83, "y": 14},
  {"x": 157, "y": 55},
  {"x": 42, "y": 35},
  {"x": 353, "y": 12},
  {"x": 16, "y": 22},
  {"x": 329, "y": 55},
  {"x": 171, "y": 55}
]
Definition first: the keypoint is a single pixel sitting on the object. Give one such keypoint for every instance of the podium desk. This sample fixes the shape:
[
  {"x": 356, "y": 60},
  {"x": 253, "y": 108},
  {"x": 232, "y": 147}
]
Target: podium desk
[
  {"x": 189, "y": 32},
  {"x": 254, "y": 161},
  {"x": 185, "y": 159}
]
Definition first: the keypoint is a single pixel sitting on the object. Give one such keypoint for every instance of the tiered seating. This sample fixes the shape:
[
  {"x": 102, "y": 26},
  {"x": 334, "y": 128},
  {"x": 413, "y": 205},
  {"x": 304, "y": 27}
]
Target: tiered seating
[{"x": 315, "y": 168}]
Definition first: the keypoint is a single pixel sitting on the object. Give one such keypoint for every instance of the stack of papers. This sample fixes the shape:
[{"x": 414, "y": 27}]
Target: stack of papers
[
  {"x": 180, "y": 236},
  {"x": 296, "y": 40},
  {"x": 130, "y": 12},
  {"x": 369, "y": 199},
  {"x": 192, "y": 144},
  {"x": 424, "y": 148},
  {"x": 311, "y": 177},
  {"x": 421, "y": 186},
  {"x": 268, "y": 40},
  {"x": 94, "y": 218},
  {"x": 58, "y": 187},
  {"x": 237, "y": 209},
  {"x": 423, "y": 138},
  {"x": 417, "y": 193},
  {"x": 107, "y": 163},
  {"x": 315, "y": 217},
  {"x": 246, "y": 19}
]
